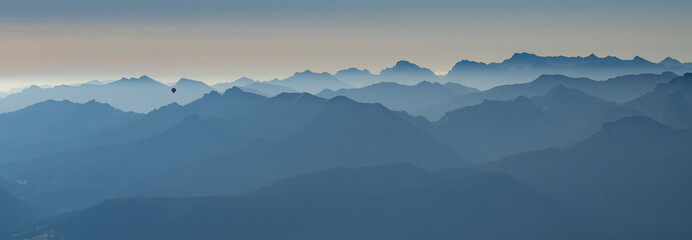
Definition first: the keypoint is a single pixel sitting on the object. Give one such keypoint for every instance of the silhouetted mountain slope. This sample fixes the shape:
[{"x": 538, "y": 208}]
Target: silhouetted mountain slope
[
  {"x": 384, "y": 202},
  {"x": 632, "y": 178},
  {"x": 67, "y": 180},
  {"x": 134, "y": 94},
  {"x": 311, "y": 82},
  {"x": 356, "y": 77},
  {"x": 402, "y": 97},
  {"x": 233, "y": 103},
  {"x": 405, "y": 72},
  {"x": 669, "y": 103},
  {"x": 481, "y": 75},
  {"x": 619, "y": 89},
  {"x": 572, "y": 107},
  {"x": 494, "y": 129},
  {"x": 461, "y": 89},
  {"x": 280, "y": 116},
  {"x": 13, "y": 213},
  {"x": 24, "y": 133},
  {"x": 356, "y": 134},
  {"x": 241, "y": 82},
  {"x": 670, "y": 62},
  {"x": 190, "y": 90},
  {"x": 267, "y": 89},
  {"x": 278, "y": 137}
]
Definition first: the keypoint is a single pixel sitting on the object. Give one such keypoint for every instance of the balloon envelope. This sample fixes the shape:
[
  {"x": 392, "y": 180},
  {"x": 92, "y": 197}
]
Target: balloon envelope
[{"x": 173, "y": 90}]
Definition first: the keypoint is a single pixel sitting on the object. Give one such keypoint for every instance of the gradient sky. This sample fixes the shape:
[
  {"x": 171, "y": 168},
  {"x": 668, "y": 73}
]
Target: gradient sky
[{"x": 67, "y": 41}]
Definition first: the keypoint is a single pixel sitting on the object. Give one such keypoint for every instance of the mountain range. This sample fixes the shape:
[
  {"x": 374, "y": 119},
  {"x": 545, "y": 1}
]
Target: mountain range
[
  {"x": 130, "y": 94},
  {"x": 187, "y": 150},
  {"x": 669, "y": 103},
  {"x": 383, "y": 202},
  {"x": 619, "y": 89},
  {"x": 524, "y": 67},
  {"x": 631, "y": 177},
  {"x": 402, "y": 154},
  {"x": 232, "y": 130},
  {"x": 144, "y": 94},
  {"x": 398, "y": 96}
]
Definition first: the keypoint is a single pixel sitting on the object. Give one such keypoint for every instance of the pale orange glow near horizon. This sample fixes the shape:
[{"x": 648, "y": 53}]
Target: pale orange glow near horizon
[{"x": 220, "y": 49}]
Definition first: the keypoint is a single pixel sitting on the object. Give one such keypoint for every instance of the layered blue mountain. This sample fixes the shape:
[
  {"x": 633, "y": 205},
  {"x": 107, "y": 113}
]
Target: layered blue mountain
[
  {"x": 240, "y": 82},
  {"x": 619, "y": 89},
  {"x": 632, "y": 178},
  {"x": 190, "y": 89},
  {"x": 13, "y": 214},
  {"x": 405, "y": 72},
  {"x": 403, "y": 97},
  {"x": 671, "y": 62},
  {"x": 382, "y": 202},
  {"x": 252, "y": 86},
  {"x": 227, "y": 143},
  {"x": 134, "y": 94},
  {"x": 52, "y": 126},
  {"x": 311, "y": 82},
  {"x": 524, "y": 67},
  {"x": 356, "y": 77},
  {"x": 670, "y": 103},
  {"x": 232, "y": 103},
  {"x": 494, "y": 129},
  {"x": 267, "y": 89},
  {"x": 572, "y": 107}
]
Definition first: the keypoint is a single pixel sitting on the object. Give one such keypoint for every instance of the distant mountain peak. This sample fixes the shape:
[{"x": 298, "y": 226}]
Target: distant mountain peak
[
  {"x": 405, "y": 64},
  {"x": 523, "y": 101},
  {"x": 638, "y": 58},
  {"x": 353, "y": 70},
  {"x": 212, "y": 94},
  {"x": 306, "y": 72},
  {"x": 632, "y": 124},
  {"x": 466, "y": 65},
  {"x": 670, "y": 62},
  {"x": 244, "y": 78},
  {"x": 233, "y": 90},
  {"x": 562, "y": 89},
  {"x": 563, "y": 95},
  {"x": 94, "y": 82},
  {"x": 243, "y": 81},
  {"x": 291, "y": 95},
  {"x": 427, "y": 83},
  {"x": 32, "y": 88},
  {"x": 342, "y": 99},
  {"x": 524, "y": 55},
  {"x": 407, "y": 73},
  {"x": 188, "y": 81},
  {"x": 142, "y": 79},
  {"x": 469, "y": 62}
]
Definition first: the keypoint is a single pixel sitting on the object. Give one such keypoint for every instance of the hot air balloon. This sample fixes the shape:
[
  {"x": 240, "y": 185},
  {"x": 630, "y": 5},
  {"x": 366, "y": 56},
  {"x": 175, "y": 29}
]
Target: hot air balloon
[{"x": 173, "y": 90}]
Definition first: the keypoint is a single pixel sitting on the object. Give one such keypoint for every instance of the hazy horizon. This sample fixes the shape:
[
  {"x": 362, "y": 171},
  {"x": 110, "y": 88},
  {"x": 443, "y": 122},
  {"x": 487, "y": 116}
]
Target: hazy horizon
[
  {"x": 52, "y": 81},
  {"x": 47, "y": 42}
]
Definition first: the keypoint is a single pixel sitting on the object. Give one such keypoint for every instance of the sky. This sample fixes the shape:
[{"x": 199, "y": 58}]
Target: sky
[{"x": 50, "y": 42}]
